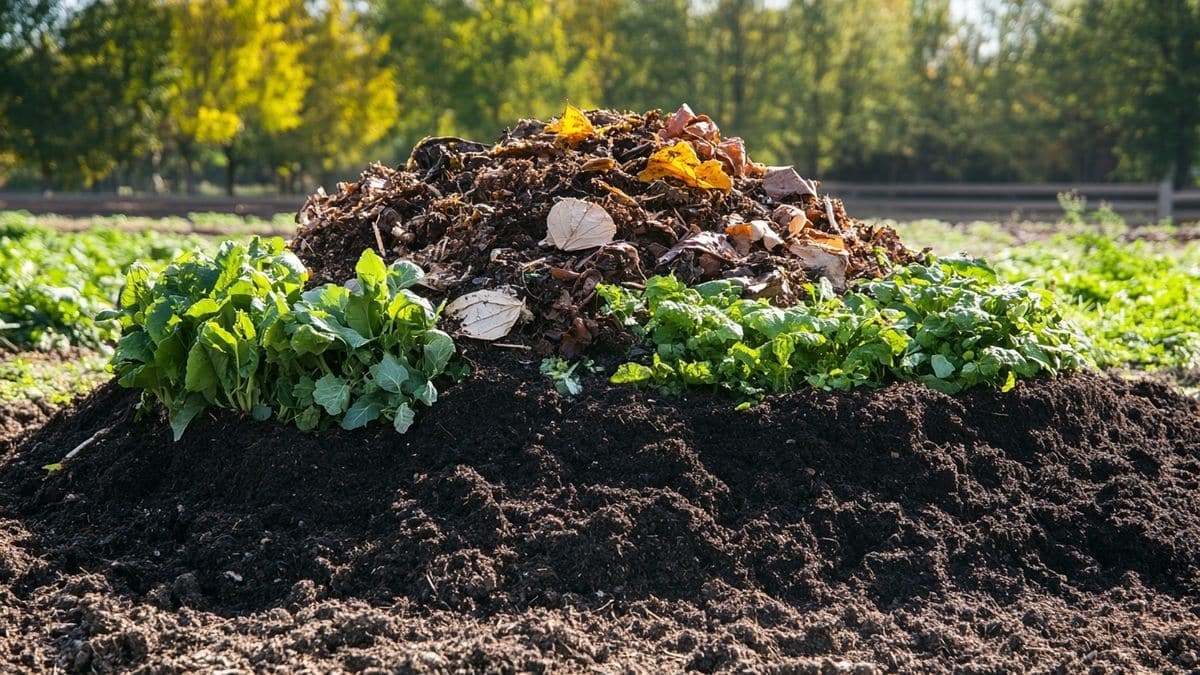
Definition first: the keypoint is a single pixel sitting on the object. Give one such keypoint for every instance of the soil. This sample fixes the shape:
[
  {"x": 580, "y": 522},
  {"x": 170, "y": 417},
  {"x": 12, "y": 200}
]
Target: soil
[
  {"x": 1056, "y": 527},
  {"x": 19, "y": 417}
]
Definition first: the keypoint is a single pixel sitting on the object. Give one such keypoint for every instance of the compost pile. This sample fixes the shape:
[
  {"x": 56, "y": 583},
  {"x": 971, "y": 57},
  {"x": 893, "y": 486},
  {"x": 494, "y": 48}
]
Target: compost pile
[
  {"x": 1052, "y": 527},
  {"x": 631, "y": 195}
]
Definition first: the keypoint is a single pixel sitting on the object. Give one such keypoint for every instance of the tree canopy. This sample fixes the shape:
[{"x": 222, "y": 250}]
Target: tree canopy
[{"x": 292, "y": 93}]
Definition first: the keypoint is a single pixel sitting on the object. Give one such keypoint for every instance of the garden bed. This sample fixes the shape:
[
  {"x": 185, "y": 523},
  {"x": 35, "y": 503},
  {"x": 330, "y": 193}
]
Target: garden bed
[{"x": 513, "y": 529}]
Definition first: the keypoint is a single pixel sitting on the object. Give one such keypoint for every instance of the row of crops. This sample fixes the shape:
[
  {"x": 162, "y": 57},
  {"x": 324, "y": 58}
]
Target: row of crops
[{"x": 257, "y": 341}]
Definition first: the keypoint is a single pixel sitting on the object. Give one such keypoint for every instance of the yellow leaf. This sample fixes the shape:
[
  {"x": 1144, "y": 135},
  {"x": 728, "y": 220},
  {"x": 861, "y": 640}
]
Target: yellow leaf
[
  {"x": 573, "y": 126},
  {"x": 680, "y": 161},
  {"x": 713, "y": 173}
]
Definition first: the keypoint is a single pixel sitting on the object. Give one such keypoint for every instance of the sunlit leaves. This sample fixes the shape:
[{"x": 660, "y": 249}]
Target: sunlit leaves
[
  {"x": 235, "y": 331},
  {"x": 947, "y": 323},
  {"x": 679, "y": 161}
]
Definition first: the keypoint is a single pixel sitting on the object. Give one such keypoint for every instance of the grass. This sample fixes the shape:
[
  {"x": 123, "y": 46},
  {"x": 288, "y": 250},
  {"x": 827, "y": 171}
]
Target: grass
[
  {"x": 204, "y": 222},
  {"x": 51, "y": 377}
]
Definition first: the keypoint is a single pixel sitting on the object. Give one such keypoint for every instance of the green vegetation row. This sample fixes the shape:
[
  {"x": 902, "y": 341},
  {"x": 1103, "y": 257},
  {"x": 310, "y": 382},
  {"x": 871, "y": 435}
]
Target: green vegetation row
[
  {"x": 948, "y": 323},
  {"x": 53, "y": 284},
  {"x": 238, "y": 330},
  {"x": 1139, "y": 306}
]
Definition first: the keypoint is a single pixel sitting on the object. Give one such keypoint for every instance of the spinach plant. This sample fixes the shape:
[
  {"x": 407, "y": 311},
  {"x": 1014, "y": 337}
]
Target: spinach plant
[
  {"x": 949, "y": 323},
  {"x": 238, "y": 331}
]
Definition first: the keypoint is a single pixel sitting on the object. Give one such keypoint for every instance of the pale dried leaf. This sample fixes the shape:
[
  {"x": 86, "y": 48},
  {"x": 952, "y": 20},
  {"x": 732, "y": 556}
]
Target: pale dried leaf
[
  {"x": 743, "y": 234},
  {"x": 574, "y": 224},
  {"x": 820, "y": 260},
  {"x": 711, "y": 243},
  {"x": 790, "y": 218},
  {"x": 486, "y": 315},
  {"x": 783, "y": 181}
]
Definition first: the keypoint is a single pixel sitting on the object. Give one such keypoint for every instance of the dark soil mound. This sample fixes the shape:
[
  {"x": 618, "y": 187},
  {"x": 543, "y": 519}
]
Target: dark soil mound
[
  {"x": 473, "y": 215},
  {"x": 17, "y": 418},
  {"x": 898, "y": 528}
]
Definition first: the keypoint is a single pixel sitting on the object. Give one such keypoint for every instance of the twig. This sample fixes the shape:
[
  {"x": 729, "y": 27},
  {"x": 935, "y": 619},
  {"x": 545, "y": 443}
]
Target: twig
[
  {"x": 510, "y": 346},
  {"x": 378, "y": 238},
  {"x": 91, "y": 439},
  {"x": 833, "y": 223}
]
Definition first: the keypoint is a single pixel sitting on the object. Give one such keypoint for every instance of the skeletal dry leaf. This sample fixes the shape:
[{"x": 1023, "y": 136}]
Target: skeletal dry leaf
[
  {"x": 573, "y": 126},
  {"x": 574, "y": 224},
  {"x": 486, "y": 315}
]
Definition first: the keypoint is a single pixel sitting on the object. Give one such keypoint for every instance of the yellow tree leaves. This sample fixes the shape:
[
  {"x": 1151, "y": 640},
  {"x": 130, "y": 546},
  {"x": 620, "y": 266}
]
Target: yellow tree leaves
[
  {"x": 573, "y": 126},
  {"x": 679, "y": 161},
  {"x": 236, "y": 61}
]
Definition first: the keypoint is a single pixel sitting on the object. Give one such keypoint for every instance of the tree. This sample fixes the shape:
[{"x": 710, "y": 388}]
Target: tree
[
  {"x": 351, "y": 101},
  {"x": 1151, "y": 52},
  {"x": 420, "y": 55},
  {"x": 83, "y": 88},
  {"x": 238, "y": 65},
  {"x": 846, "y": 85}
]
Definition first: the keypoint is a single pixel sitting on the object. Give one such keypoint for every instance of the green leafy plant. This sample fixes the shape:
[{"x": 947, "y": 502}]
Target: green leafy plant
[
  {"x": 562, "y": 373},
  {"x": 949, "y": 323},
  {"x": 1135, "y": 303},
  {"x": 53, "y": 284},
  {"x": 238, "y": 331}
]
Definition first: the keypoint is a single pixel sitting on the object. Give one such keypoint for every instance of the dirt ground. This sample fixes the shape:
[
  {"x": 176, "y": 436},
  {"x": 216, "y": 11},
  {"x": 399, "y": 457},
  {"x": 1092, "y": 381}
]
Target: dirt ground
[{"x": 1054, "y": 528}]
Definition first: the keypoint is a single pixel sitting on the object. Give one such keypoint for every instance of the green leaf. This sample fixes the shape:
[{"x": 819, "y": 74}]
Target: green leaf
[
  {"x": 261, "y": 412},
  {"x": 309, "y": 340},
  {"x": 942, "y": 367},
  {"x": 158, "y": 318},
  {"x": 364, "y": 411},
  {"x": 303, "y": 390},
  {"x": 329, "y": 325},
  {"x": 200, "y": 375},
  {"x": 389, "y": 374},
  {"x": 332, "y": 393},
  {"x": 403, "y": 274},
  {"x": 403, "y": 419},
  {"x": 631, "y": 373},
  {"x": 181, "y": 416},
  {"x": 439, "y": 347},
  {"x": 427, "y": 393},
  {"x": 308, "y": 418},
  {"x": 135, "y": 294},
  {"x": 370, "y": 270},
  {"x": 363, "y": 314},
  {"x": 203, "y": 309}
]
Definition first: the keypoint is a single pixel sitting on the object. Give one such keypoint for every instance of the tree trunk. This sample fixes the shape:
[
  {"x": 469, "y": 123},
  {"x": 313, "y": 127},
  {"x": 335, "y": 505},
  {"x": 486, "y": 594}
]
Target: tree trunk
[
  {"x": 47, "y": 176},
  {"x": 156, "y": 180},
  {"x": 229, "y": 169},
  {"x": 189, "y": 174}
]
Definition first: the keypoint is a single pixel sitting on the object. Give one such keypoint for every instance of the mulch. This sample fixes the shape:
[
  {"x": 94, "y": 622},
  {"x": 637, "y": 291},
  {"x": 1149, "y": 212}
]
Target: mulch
[{"x": 474, "y": 216}]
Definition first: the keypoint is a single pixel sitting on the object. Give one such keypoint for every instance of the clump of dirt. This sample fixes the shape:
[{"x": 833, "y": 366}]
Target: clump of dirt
[
  {"x": 475, "y": 217},
  {"x": 1055, "y": 526}
]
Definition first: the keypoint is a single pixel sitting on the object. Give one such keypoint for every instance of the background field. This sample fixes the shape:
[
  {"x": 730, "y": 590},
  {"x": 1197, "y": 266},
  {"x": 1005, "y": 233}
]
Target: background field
[{"x": 1128, "y": 288}]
